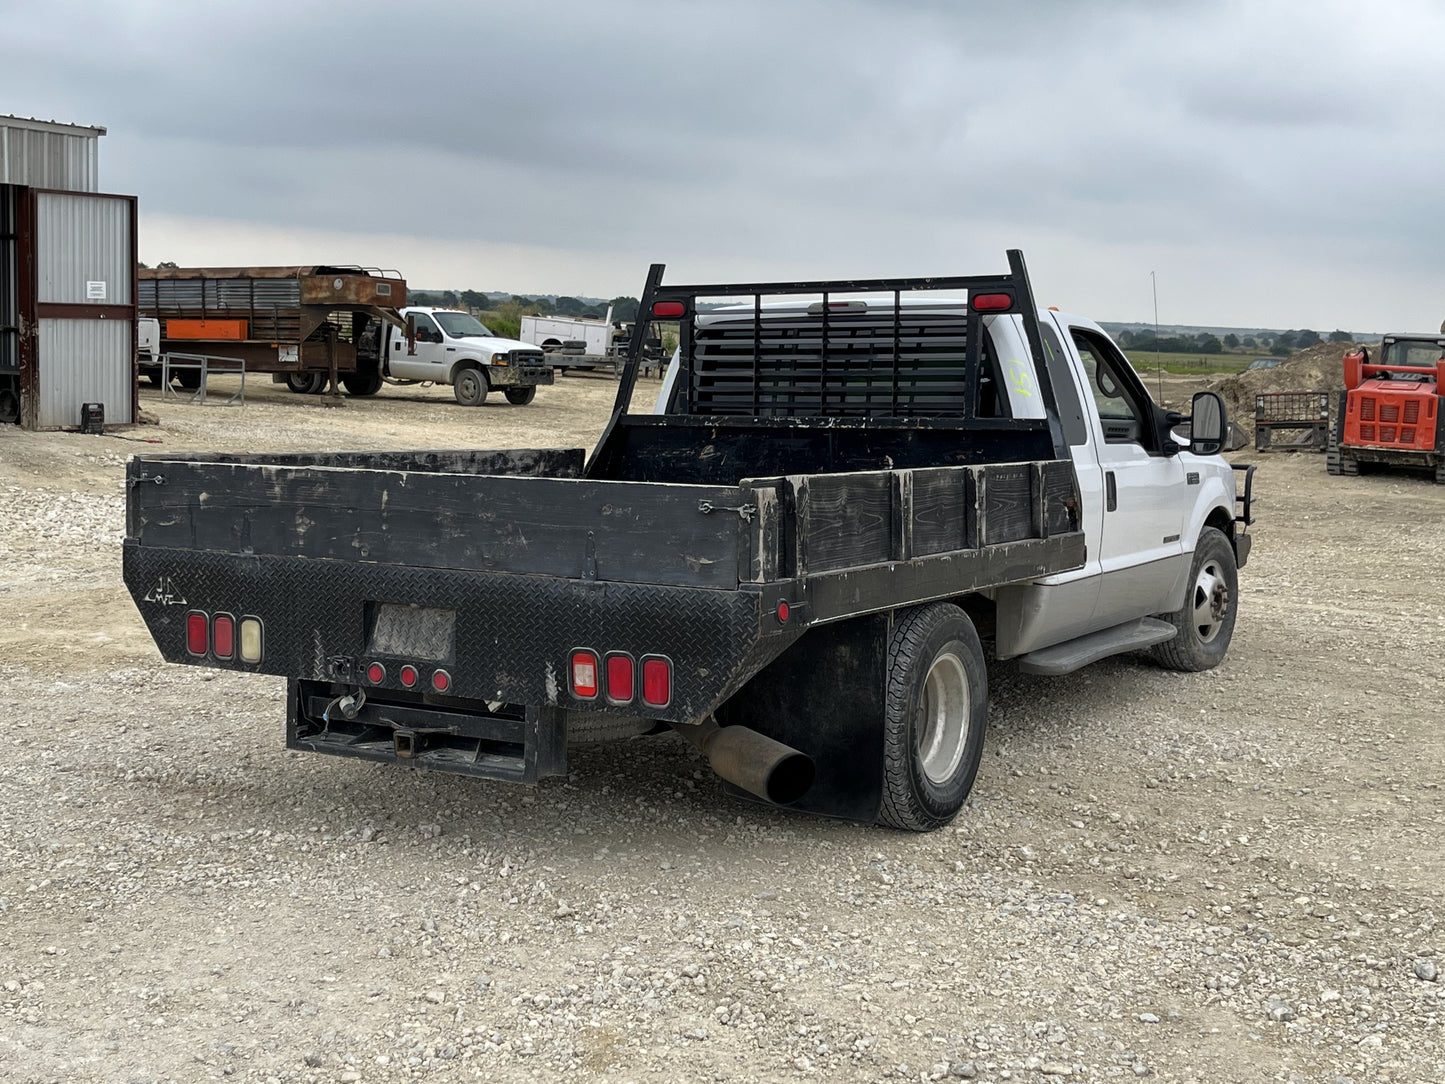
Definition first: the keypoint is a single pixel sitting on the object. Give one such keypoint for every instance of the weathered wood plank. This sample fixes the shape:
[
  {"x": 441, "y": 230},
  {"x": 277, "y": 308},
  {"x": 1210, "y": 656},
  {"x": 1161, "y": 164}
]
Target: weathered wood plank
[
  {"x": 1061, "y": 498},
  {"x": 941, "y": 507},
  {"x": 844, "y": 520},
  {"x": 641, "y": 532},
  {"x": 1008, "y": 512}
]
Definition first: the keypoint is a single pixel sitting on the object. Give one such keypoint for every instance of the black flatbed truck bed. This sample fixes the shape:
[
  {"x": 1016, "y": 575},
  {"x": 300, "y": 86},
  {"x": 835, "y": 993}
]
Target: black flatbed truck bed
[{"x": 758, "y": 539}]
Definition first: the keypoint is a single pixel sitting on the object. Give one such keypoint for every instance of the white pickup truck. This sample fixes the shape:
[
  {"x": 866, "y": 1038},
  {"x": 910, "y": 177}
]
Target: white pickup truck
[
  {"x": 456, "y": 348},
  {"x": 790, "y": 559}
]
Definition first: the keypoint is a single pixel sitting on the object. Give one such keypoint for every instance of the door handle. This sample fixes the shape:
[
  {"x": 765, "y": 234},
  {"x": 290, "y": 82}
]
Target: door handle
[{"x": 1111, "y": 492}]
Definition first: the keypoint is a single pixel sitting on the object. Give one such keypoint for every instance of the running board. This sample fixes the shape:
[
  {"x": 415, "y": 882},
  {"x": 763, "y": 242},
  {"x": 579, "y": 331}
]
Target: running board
[{"x": 1068, "y": 656}]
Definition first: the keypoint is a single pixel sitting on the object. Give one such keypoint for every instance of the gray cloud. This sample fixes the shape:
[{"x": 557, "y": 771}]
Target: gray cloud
[{"x": 817, "y": 136}]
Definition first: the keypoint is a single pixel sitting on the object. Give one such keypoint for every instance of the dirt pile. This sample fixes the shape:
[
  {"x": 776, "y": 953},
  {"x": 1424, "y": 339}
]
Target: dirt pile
[{"x": 1317, "y": 368}]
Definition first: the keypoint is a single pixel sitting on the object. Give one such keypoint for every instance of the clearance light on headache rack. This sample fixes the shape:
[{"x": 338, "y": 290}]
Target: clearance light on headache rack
[
  {"x": 991, "y": 302},
  {"x": 668, "y": 309},
  {"x": 838, "y": 306}
]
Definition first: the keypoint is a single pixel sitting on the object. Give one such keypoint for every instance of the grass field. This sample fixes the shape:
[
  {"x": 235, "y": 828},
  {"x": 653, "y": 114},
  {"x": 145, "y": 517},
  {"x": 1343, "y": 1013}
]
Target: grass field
[{"x": 1147, "y": 361}]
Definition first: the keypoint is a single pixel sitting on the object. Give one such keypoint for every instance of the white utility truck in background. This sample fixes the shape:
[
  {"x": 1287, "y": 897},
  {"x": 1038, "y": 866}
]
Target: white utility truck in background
[
  {"x": 577, "y": 342},
  {"x": 456, "y": 348}
]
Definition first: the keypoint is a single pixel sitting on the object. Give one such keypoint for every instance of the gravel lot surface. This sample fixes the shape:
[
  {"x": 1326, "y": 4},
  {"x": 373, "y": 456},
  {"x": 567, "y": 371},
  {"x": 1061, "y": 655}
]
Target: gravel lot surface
[{"x": 1230, "y": 876}]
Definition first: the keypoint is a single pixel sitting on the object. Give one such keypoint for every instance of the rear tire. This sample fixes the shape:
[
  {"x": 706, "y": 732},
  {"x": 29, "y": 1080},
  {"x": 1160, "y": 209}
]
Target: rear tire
[
  {"x": 306, "y": 383},
  {"x": 359, "y": 384},
  {"x": 935, "y": 718},
  {"x": 470, "y": 387},
  {"x": 1204, "y": 625},
  {"x": 520, "y": 396}
]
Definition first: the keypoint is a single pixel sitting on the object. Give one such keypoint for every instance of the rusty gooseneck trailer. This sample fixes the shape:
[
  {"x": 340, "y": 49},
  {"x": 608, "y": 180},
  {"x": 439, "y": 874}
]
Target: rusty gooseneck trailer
[{"x": 310, "y": 326}]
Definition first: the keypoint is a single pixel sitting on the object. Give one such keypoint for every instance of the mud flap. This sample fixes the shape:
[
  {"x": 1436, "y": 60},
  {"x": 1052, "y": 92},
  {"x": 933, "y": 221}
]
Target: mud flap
[{"x": 825, "y": 696}]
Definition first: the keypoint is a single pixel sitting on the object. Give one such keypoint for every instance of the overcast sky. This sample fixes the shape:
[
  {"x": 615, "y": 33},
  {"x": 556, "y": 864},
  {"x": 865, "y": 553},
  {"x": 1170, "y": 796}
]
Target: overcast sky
[{"x": 1276, "y": 164}]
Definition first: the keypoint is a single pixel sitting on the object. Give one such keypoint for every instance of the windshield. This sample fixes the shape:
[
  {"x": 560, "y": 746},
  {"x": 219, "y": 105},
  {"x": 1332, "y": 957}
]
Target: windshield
[
  {"x": 461, "y": 324},
  {"x": 1422, "y": 353}
]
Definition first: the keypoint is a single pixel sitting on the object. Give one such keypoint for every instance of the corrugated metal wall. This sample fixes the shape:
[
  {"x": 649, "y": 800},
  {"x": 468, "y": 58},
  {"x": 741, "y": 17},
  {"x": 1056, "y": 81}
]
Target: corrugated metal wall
[
  {"x": 48, "y": 158},
  {"x": 83, "y": 248},
  {"x": 85, "y": 361}
]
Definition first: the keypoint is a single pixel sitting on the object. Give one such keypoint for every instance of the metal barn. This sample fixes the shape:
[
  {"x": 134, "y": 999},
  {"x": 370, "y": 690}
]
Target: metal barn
[{"x": 67, "y": 279}]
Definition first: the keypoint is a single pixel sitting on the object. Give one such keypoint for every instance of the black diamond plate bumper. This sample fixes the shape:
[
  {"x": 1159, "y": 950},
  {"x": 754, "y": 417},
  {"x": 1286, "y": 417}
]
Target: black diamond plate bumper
[{"x": 513, "y": 637}]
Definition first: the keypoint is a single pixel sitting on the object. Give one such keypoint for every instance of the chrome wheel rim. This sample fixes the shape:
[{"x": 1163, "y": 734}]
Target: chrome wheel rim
[
  {"x": 1210, "y": 602},
  {"x": 940, "y": 729}
]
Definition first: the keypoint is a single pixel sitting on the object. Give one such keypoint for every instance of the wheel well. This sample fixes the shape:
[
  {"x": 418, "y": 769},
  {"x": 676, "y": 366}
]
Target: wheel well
[
  {"x": 1221, "y": 521},
  {"x": 466, "y": 364}
]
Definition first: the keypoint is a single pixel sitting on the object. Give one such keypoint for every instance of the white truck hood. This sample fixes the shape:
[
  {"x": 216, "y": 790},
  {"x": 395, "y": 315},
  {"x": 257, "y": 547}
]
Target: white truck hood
[{"x": 492, "y": 344}]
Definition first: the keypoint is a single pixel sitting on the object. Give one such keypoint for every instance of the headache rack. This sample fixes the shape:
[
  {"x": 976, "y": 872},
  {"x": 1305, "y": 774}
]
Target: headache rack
[{"x": 802, "y": 364}]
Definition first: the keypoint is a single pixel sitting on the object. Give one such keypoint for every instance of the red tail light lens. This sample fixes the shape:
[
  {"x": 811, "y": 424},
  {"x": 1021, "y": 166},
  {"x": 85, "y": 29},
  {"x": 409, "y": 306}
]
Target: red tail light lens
[
  {"x": 620, "y": 678},
  {"x": 408, "y": 675},
  {"x": 992, "y": 302},
  {"x": 441, "y": 681},
  {"x": 223, "y": 636},
  {"x": 376, "y": 673},
  {"x": 656, "y": 682},
  {"x": 671, "y": 309},
  {"x": 584, "y": 675},
  {"x": 198, "y": 632}
]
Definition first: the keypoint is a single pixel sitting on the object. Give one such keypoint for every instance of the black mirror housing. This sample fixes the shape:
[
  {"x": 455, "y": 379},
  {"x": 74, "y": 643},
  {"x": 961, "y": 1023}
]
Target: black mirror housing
[{"x": 1208, "y": 423}]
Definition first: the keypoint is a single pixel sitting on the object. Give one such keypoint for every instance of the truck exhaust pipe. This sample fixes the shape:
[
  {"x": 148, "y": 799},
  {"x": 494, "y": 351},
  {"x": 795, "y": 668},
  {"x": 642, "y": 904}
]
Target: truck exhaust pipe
[{"x": 773, "y": 771}]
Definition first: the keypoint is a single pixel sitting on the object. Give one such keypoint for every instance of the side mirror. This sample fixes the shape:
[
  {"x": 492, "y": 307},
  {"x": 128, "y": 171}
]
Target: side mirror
[{"x": 1208, "y": 424}]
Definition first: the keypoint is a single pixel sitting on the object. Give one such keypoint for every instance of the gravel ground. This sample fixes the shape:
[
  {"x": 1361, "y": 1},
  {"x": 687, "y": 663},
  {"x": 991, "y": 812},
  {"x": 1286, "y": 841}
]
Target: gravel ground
[{"x": 1231, "y": 876}]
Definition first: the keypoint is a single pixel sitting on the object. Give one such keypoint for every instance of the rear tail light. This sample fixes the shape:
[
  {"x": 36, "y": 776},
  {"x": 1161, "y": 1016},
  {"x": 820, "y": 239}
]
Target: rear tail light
[
  {"x": 408, "y": 675},
  {"x": 376, "y": 673},
  {"x": 584, "y": 675},
  {"x": 198, "y": 633},
  {"x": 656, "y": 682},
  {"x": 223, "y": 636},
  {"x": 441, "y": 681},
  {"x": 620, "y": 678},
  {"x": 991, "y": 302},
  {"x": 250, "y": 639}
]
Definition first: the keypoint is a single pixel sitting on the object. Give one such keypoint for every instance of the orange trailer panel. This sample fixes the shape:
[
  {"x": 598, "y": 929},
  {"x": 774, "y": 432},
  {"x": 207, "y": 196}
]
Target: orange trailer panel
[{"x": 230, "y": 330}]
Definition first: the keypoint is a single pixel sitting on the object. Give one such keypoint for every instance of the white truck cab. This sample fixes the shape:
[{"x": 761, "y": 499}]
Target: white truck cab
[
  {"x": 453, "y": 347},
  {"x": 1163, "y": 539}
]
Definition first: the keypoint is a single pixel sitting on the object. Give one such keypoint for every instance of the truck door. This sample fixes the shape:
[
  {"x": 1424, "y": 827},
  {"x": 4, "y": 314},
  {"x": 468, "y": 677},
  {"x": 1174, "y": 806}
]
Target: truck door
[
  {"x": 1145, "y": 494},
  {"x": 429, "y": 361}
]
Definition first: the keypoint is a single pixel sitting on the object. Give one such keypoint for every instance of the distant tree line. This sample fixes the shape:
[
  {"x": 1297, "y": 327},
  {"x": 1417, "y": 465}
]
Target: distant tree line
[
  {"x": 1280, "y": 345},
  {"x": 623, "y": 308}
]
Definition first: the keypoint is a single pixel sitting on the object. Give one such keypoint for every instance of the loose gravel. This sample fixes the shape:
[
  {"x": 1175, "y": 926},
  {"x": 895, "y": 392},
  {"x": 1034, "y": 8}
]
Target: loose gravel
[{"x": 1229, "y": 876}]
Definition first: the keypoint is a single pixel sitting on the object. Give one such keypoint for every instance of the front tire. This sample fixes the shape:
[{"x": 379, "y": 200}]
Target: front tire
[
  {"x": 470, "y": 387},
  {"x": 935, "y": 718},
  {"x": 1204, "y": 625},
  {"x": 520, "y": 396}
]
